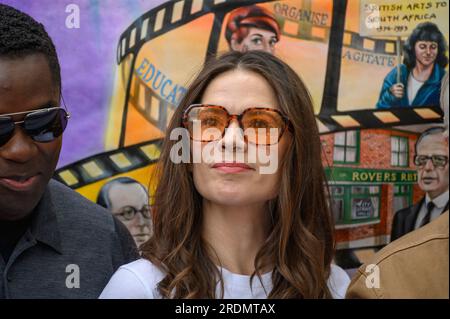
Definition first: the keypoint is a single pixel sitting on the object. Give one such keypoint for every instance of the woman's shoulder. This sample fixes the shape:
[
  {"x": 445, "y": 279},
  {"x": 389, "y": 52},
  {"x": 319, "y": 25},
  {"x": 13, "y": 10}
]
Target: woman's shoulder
[
  {"x": 338, "y": 282},
  {"x": 136, "y": 280}
]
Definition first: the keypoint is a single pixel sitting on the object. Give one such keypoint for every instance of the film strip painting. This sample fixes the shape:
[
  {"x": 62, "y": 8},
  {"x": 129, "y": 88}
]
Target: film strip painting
[
  {"x": 163, "y": 19},
  {"x": 157, "y": 111},
  {"x": 167, "y": 17},
  {"x": 341, "y": 121},
  {"x": 103, "y": 166},
  {"x": 154, "y": 109}
]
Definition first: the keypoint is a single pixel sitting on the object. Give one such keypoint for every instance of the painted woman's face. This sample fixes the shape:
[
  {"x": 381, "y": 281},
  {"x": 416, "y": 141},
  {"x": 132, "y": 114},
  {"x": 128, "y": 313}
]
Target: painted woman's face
[
  {"x": 235, "y": 178},
  {"x": 257, "y": 39},
  {"x": 426, "y": 52}
]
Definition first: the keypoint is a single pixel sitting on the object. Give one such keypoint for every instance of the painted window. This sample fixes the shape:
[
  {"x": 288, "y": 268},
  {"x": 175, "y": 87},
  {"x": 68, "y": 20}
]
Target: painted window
[
  {"x": 353, "y": 204},
  {"x": 399, "y": 151},
  {"x": 346, "y": 147}
]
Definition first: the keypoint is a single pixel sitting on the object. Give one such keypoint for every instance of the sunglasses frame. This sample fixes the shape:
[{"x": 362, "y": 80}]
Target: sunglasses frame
[
  {"x": 430, "y": 157},
  {"x": 238, "y": 117},
  {"x": 10, "y": 116}
]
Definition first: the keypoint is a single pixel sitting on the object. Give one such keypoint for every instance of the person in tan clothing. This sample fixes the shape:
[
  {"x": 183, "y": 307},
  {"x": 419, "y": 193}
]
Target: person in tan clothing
[{"x": 414, "y": 266}]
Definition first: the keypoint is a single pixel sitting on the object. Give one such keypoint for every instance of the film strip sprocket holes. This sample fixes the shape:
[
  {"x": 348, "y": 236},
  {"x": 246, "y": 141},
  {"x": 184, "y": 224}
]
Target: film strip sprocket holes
[
  {"x": 378, "y": 46},
  {"x": 362, "y": 119},
  {"x": 302, "y": 31},
  {"x": 108, "y": 164},
  {"x": 352, "y": 40},
  {"x": 155, "y": 109}
]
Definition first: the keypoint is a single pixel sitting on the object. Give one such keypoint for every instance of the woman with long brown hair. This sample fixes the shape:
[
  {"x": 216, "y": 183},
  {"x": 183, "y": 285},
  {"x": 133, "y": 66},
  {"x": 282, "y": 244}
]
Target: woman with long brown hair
[{"x": 228, "y": 228}]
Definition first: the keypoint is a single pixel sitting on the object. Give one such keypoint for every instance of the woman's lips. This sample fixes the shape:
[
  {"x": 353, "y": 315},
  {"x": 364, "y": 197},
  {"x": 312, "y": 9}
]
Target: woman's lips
[
  {"x": 232, "y": 168},
  {"x": 20, "y": 184}
]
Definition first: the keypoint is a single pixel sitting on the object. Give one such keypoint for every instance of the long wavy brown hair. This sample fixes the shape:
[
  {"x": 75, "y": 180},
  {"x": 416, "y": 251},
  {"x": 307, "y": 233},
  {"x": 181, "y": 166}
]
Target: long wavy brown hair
[{"x": 300, "y": 245}]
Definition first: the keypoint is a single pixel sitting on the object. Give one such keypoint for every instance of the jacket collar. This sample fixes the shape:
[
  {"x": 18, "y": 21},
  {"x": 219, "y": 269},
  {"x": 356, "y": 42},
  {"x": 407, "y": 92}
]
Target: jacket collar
[
  {"x": 435, "y": 76},
  {"x": 44, "y": 226}
]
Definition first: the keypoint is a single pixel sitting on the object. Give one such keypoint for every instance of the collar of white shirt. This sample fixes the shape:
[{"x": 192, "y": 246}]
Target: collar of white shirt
[{"x": 439, "y": 201}]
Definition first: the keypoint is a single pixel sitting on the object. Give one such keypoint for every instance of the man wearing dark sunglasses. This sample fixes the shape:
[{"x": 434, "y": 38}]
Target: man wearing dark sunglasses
[
  {"x": 53, "y": 242},
  {"x": 431, "y": 160}
]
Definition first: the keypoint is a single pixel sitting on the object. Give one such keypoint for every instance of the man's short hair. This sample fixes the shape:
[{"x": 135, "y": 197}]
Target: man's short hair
[
  {"x": 21, "y": 35},
  {"x": 103, "y": 196},
  {"x": 430, "y": 131}
]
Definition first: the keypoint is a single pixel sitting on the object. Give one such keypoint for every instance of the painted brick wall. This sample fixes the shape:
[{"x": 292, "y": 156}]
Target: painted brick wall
[{"x": 375, "y": 153}]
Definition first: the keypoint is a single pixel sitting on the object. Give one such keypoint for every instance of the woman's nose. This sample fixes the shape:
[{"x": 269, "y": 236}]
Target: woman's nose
[{"x": 234, "y": 137}]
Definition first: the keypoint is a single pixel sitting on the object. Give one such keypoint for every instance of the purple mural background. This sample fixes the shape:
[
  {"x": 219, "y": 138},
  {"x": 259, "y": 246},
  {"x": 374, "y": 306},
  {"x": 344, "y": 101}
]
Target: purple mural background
[{"x": 88, "y": 58}]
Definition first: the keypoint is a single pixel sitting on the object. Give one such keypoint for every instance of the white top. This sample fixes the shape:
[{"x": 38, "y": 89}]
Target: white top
[
  {"x": 139, "y": 279},
  {"x": 413, "y": 87},
  {"x": 439, "y": 205}
]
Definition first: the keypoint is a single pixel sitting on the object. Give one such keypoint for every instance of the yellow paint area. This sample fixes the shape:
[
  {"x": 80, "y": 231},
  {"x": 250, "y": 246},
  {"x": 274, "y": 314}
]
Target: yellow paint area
[{"x": 142, "y": 175}]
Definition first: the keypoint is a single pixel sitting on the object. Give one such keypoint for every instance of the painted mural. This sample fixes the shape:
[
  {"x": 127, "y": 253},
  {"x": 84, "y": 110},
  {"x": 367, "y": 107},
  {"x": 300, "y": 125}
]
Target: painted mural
[{"x": 127, "y": 65}]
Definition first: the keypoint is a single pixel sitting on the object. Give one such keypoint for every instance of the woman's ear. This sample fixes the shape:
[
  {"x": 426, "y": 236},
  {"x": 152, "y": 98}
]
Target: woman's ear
[{"x": 235, "y": 46}]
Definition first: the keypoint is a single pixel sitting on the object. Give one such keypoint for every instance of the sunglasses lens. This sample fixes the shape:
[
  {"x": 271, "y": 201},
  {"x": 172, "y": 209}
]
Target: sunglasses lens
[
  {"x": 263, "y": 127},
  {"x": 47, "y": 125},
  {"x": 6, "y": 130},
  {"x": 211, "y": 120}
]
